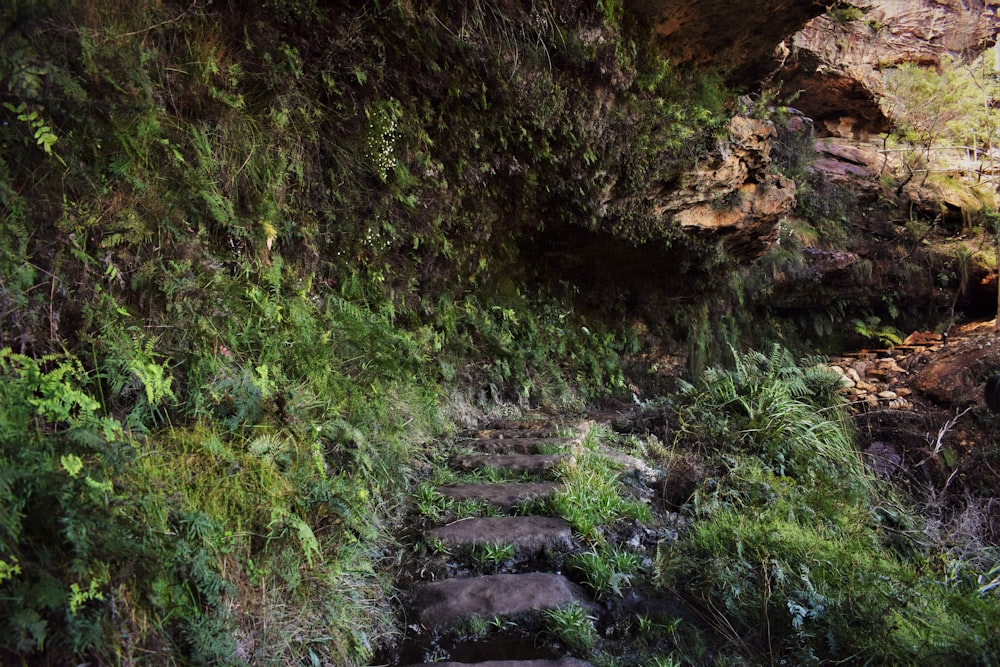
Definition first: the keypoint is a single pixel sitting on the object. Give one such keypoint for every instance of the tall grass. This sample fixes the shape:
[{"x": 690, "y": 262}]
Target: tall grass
[
  {"x": 794, "y": 552},
  {"x": 591, "y": 497}
]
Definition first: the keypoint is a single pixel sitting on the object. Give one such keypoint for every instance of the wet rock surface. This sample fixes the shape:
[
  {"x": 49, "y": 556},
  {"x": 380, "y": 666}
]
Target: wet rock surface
[
  {"x": 526, "y": 533},
  {"x": 441, "y": 604}
]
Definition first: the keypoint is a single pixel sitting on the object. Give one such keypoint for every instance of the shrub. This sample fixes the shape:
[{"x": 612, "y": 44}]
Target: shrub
[
  {"x": 58, "y": 524},
  {"x": 793, "y": 550}
]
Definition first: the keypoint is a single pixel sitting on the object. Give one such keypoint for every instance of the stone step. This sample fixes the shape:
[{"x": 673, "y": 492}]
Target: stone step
[
  {"x": 527, "y": 463},
  {"x": 526, "y": 424},
  {"x": 442, "y": 604},
  {"x": 562, "y": 662},
  {"x": 506, "y": 496},
  {"x": 516, "y": 445},
  {"x": 531, "y": 534},
  {"x": 540, "y": 432},
  {"x": 574, "y": 427}
]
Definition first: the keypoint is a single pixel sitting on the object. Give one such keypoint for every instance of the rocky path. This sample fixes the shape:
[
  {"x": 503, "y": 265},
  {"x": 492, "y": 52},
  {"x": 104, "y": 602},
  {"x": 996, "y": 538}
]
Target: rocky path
[{"x": 484, "y": 578}]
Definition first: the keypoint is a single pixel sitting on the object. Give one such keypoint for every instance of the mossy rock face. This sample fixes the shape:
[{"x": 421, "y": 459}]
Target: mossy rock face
[{"x": 950, "y": 198}]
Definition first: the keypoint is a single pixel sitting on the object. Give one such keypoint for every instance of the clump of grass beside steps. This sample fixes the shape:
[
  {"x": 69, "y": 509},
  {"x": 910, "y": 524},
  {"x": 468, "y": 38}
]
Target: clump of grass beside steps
[{"x": 591, "y": 496}]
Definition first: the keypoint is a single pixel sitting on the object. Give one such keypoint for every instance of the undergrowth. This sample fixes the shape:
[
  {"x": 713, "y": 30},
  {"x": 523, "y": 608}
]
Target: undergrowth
[
  {"x": 242, "y": 251},
  {"x": 794, "y": 552},
  {"x": 121, "y": 537},
  {"x": 590, "y": 496}
]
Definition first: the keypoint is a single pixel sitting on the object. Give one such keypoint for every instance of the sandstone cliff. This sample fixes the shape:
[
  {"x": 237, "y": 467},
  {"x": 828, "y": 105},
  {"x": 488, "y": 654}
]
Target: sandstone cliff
[
  {"x": 736, "y": 37},
  {"x": 835, "y": 64}
]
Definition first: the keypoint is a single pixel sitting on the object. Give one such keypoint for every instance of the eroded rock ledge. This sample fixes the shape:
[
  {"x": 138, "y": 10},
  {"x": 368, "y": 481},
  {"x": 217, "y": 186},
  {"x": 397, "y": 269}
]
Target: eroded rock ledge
[
  {"x": 734, "y": 193},
  {"x": 834, "y": 66},
  {"x": 737, "y": 37}
]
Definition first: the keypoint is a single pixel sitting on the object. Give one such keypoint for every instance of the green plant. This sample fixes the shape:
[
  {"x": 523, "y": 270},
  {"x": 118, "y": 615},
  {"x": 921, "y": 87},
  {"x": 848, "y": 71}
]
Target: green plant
[
  {"x": 41, "y": 132},
  {"x": 790, "y": 548},
  {"x": 665, "y": 662},
  {"x": 605, "y": 570},
  {"x": 58, "y": 529},
  {"x": 438, "y": 546},
  {"x": 478, "y": 626},
  {"x": 492, "y": 555},
  {"x": 430, "y": 502},
  {"x": 466, "y": 508},
  {"x": 573, "y": 626},
  {"x": 768, "y": 402},
  {"x": 138, "y": 378},
  {"x": 645, "y": 624},
  {"x": 591, "y": 496},
  {"x": 268, "y": 254},
  {"x": 872, "y": 329},
  {"x": 845, "y": 13}
]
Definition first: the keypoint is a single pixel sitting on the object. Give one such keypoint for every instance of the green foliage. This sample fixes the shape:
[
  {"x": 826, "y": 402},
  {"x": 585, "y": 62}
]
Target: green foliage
[
  {"x": 533, "y": 349},
  {"x": 611, "y": 9},
  {"x": 431, "y": 503},
  {"x": 311, "y": 407},
  {"x": 591, "y": 497},
  {"x": 57, "y": 521},
  {"x": 573, "y": 626},
  {"x": 768, "y": 402},
  {"x": 137, "y": 378},
  {"x": 873, "y": 329},
  {"x": 40, "y": 132},
  {"x": 492, "y": 556},
  {"x": 243, "y": 232},
  {"x": 845, "y": 13},
  {"x": 605, "y": 570},
  {"x": 945, "y": 104},
  {"x": 793, "y": 549}
]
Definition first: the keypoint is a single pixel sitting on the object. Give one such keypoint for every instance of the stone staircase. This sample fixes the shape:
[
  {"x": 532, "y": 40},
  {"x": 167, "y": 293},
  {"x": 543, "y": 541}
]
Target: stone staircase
[{"x": 440, "y": 605}]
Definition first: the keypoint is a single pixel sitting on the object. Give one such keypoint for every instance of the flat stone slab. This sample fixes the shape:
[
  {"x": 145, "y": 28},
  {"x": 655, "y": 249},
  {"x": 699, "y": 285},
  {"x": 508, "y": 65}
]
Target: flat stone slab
[
  {"x": 578, "y": 426},
  {"x": 540, "y": 432},
  {"x": 441, "y": 604},
  {"x": 501, "y": 495},
  {"x": 562, "y": 662},
  {"x": 516, "y": 445},
  {"x": 525, "y": 424},
  {"x": 527, "y": 533},
  {"x": 531, "y": 463}
]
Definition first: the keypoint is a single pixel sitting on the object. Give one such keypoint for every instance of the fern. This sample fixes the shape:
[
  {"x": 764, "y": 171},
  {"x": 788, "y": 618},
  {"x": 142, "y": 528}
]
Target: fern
[
  {"x": 57, "y": 528},
  {"x": 873, "y": 329}
]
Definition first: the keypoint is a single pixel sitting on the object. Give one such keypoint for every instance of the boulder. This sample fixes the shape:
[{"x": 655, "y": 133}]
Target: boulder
[{"x": 955, "y": 376}]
